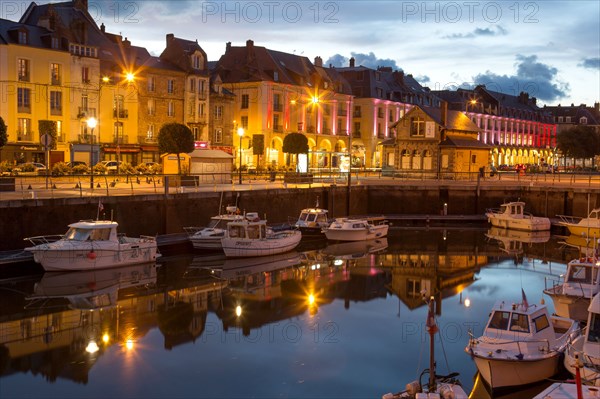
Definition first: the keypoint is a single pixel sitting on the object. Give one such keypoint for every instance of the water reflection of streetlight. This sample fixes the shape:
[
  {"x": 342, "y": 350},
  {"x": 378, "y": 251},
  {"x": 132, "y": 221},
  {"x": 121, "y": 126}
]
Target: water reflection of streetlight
[
  {"x": 92, "y": 123},
  {"x": 240, "y": 133}
]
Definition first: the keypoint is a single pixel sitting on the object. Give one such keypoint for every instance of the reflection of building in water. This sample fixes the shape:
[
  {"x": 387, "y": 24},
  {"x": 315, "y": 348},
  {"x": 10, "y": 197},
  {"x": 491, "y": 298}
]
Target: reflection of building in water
[{"x": 64, "y": 328}]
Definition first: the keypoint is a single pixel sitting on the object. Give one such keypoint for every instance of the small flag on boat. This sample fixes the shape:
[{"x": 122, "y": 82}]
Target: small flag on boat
[{"x": 525, "y": 303}]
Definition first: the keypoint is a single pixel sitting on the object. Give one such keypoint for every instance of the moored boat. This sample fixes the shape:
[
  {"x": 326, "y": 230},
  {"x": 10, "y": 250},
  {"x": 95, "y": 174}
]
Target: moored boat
[
  {"x": 209, "y": 237},
  {"x": 311, "y": 221},
  {"x": 521, "y": 344},
  {"x": 581, "y": 282},
  {"x": 90, "y": 245},
  {"x": 512, "y": 215},
  {"x": 584, "y": 351},
  {"x": 586, "y": 227},
  {"x": 252, "y": 237},
  {"x": 357, "y": 229}
]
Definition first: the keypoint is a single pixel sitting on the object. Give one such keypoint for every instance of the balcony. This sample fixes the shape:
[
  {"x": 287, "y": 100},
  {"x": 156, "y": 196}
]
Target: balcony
[
  {"x": 357, "y": 114},
  {"x": 85, "y": 112},
  {"x": 327, "y": 131},
  {"x": 277, "y": 107},
  {"x": 120, "y": 140},
  {"x": 55, "y": 81},
  {"x": 24, "y": 78},
  {"x": 146, "y": 140},
  {"x": 342, "y": 112},
  {"x": 121, "y": 114},
  {"x": 24, "y": 109},
  {"x": 278, "y": 129},
  {"x": 55, "y": 111},
  {"x": 85, "y": 139},
  {"x": 310, "y": 129},
  {"x": 24, "y": 136}
]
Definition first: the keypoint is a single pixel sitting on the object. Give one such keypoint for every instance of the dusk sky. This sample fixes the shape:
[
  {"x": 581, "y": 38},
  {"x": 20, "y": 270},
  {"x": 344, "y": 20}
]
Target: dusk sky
[{"x": 549, "y": 48}]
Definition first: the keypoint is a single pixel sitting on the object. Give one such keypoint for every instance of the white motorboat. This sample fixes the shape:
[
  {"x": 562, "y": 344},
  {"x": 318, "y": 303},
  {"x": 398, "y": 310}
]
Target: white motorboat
[
  {"x": 92, "y": 289},
  {"x": 573, "y": 294},
  {"x": 91, "y": 245},
  {"x": 312, "y": 221},
  {"x": 438, "y": 386},
  {"x": 584, "y": 351},
  {"x": 354, "y": 229},
  {"x": 512, "y": 215},
  {"x": 586, "y": 227},
  {"x": 567, "y": 390},
  {"x": 252, "y": 237},
  {"x": 521, "y": 344},
  {"x": 209, "y": 237}
]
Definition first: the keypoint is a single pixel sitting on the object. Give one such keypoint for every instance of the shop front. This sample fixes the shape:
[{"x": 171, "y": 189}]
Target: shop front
[{"x": 17, "y": 153}]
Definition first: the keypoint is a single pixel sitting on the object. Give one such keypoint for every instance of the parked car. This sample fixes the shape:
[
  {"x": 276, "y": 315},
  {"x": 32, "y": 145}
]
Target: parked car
[
  {"x": 30, "y": 168},
  {"x": 76, "y": 163},
  {"x": 111, "y": 166}
]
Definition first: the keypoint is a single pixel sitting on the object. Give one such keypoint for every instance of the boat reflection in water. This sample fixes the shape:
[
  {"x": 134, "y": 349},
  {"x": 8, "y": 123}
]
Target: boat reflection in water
[
  {"x": 514, "y": 242},
  {"x": 367, "y": 293}
]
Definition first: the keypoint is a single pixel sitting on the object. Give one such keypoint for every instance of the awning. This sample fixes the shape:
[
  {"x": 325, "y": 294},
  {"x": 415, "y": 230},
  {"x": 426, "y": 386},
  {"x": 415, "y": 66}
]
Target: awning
[{"x": 122, "y": 150}]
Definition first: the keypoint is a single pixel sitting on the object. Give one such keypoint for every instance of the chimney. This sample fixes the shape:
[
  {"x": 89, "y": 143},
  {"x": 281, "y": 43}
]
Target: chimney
[
  {"x": 227, "y": 47},
  {"x": 250, "y": 44},
  {"x": 352, "y": 62},
  {"x": 597, "y": 107},
  {"x": 170, "y": 38},
  {"x": 102, "y": 27},
  {"x": 534, "y": 100},
  {"x": 444, "y": 112},
  {"x": 318, "y": 61},
  {"x": 399, "y": 77},
  {"x": 249, "y": 51},
  {"x": 126, "y": 43}
]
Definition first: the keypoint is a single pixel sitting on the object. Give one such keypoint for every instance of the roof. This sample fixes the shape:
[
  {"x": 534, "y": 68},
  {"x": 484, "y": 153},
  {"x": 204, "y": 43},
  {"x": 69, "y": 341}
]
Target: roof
[
  {"x": 463, "y": 142},
  {"x": 455, "y": 120},
  {"x": 210, "y": 154}
]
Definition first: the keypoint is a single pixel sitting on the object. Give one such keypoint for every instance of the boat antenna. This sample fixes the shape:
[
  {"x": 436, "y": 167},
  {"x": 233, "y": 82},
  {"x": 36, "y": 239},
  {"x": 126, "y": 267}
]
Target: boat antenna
[
  {"x": 317, "y": 205},
  {"x": 432, "y": 329},
  {"x": 221, "y": 203}
]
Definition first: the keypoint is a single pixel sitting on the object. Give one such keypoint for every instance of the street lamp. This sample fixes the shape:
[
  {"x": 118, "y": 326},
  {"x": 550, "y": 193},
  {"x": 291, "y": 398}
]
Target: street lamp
[
  {"x": 240, "y": 133},
  {"x": 129, "y": 78},
  {"x": 92, "y": 123},
  {"x": 315, "y": 104}
]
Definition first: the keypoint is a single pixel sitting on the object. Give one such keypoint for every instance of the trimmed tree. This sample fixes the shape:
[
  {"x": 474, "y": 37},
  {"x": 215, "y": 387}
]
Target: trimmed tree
[
  {"x": 175, "y": 138},
  {"x": 579, "y": 142},
  {"x": 295, "y": 143},
  {"x": 3, "y": 136},
  {"x": 48, "y": 127}
]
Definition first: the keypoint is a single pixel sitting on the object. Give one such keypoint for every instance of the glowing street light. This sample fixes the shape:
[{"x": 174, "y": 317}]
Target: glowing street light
[
  {"x": 92, "y": 123},
  {"x": 240, "y": 133}
]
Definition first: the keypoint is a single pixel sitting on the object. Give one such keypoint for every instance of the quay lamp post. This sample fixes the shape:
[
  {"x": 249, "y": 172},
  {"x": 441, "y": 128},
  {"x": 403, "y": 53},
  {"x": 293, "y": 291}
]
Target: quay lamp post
[
  {"x": 92, "y": 123},
  {"x": 240, "y": 133}
]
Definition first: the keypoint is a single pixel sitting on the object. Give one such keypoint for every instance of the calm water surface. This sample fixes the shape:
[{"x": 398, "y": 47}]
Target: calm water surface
[{"x": 200, "y": 326}]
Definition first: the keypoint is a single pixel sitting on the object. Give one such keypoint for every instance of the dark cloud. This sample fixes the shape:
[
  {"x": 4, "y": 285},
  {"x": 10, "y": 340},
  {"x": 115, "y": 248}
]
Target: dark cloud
[
  {"x": 366, "y": 60},
  {"x": 495, "y": 31},
  {"x": 533, "y": 77},
  {"x": 422, "y": 79},
  {"x": 591, "y": 63}
]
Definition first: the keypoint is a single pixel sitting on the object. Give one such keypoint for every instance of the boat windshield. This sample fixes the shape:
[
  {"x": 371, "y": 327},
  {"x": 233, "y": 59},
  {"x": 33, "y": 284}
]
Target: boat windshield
[
  {"x": 581, "y": 274},
  {"x": 499, "y": 320},
  {"x": 303, "y": 216},
  {"x": 594, "y": 328},
  {"x": 77, "y": 234},
  {"x": 519, "y": 323},
  {"x": 215, "y": 223}
]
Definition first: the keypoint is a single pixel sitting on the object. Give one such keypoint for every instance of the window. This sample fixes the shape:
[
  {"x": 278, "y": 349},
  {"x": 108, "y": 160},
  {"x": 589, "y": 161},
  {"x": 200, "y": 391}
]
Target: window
[
  {"x": 55, "y": 42},
  {"x": 170, "y": 109},
  {"x": 245, "y": 101},
  {"x": 150, "y": 132},
  {"x": 218, "y": 137},
  {"x": 417, "y": 126},
  {"x": 118, "y": 132},
  {"x": 23, "y": 100},
  {"x": 193, "y": 85},
  {"x": 151, "y": 107},
  {"x": 119, "y": 110},
  {"x": 518, "y": 323},
  {"x": 580, "y": 274},
  {"x": 201, "y": 87},
  {"x": 54, "y": 74},
  {"x": 201, "y": 112},
  {"x": 23, "y": 128},
  {"x": 360, "y": 75},
  {"x": 55, "y": 102},
  {"x": 22, "y": 37},
  {"x": 568, "y": 119},
  {"x": 151, "y": 83},
  {"x": 23, "y": 70},
  {"x": 196, "y": 133},
  {"x": 594, "y": 328},
  {"x": 499, "y": 320},
  {"x": 357, "y": 111},
  {"x": 583, "y": 120},
  {"x": 540, "y": 323},
  {"x": 560, "y": 119},
  {"x": 244, "y": 122},
  {"x": 218, "y": 112},
  {"x": 277, "y": 107},
  {"x": 196, "y": 62},
  {"x": 276, "y": 76},
  {"x": 356, "y": 129},
  {"x": 85, "y": 74},
  {"x": 276, "y": 126},
  {"x": 170, "y": 86},
  {"x": 379, "y": 112},
  {"x": 391, "y": 118},
  {"x": 59, "y": 134}
]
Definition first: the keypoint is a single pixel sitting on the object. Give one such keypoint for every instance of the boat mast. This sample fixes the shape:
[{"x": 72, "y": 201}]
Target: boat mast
[{"x": 432, "y": 329}]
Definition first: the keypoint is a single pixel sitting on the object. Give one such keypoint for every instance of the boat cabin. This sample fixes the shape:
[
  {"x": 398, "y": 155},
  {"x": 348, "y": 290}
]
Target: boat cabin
[
  {"x": 508, "y": 321},
  {"x": 592, "y": 339},
  {"x": 513, "y": 209},
  {"x": 582, "y": 277},
  {"x": 92, "y": 230},
  {"x": 251, "y": 227},
  {"x": 312, "y": 217}
]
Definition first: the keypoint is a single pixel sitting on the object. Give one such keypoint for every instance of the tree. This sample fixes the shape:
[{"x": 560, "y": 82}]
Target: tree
[
  {"x": 175, "y": 138},
  {"x": 48, "y": 127},
  {"x": 3, "y": 136},
  {"x": 295, "y": 143},
  {"x": 579, "y": 142},
  {"x": 258, "y": 145}
]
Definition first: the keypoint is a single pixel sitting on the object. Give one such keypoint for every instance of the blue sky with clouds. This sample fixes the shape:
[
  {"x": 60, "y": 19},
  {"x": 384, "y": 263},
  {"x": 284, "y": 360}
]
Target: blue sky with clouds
[{"x": 550, "y": 48}]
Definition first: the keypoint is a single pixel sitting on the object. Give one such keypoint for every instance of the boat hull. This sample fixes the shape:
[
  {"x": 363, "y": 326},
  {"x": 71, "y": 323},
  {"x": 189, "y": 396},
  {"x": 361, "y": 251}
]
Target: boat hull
[
  {"x": 582, "y": 231},
  {"x": 590, "y": 372},
  {"x": 210, "y": 243},
  {"x": 275, "y": 244},
  {"x": 311, "y": 232},
  {"x": 534, "y": 224},
  {"x": 569, "y": 306},
  {"x": 92, "y": 256},
  {"x": 503, "y": 373},
  {"x": 357, "y": 234}
]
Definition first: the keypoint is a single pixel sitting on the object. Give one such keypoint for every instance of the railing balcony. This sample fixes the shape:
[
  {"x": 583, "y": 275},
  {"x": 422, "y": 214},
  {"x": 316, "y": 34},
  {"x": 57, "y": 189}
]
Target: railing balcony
[
  {"x": 120, "y": 140},
  {"x": 55, "y": 111},
  {"x": 342, "y": 112},
  {"x": 277, "y": 107},
  {"x": 85, "y": 138},
  {"x": 343, "y": 132},
  {"x": 24, "y": 136},
  {"x": 24, "y": 78},
  {"x": 327, "y": 131},
  {"x": 86, "y": 113},
  {"x": 310, "y": 129},
  {"x": 55, "y": 81},
  {"x": 24, "y": 109},
  {"x": 146, "y": 139},
  {"x": 357, "y": 114},
  {"x": 122, "y": 113},
  {"x": 278, "y": 129}
]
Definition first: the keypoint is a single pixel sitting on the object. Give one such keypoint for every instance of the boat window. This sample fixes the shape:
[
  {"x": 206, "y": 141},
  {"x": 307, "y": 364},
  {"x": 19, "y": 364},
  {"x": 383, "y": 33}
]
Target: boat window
[
  {"x": 594, "y": 328},
  {"x": 311, "y": 218},
  {"x": 214, "y": 223},
  {"x": 580, "y": 274},
  {"x": 77, "y": 234},
  {"x": 100, "y": 234},
  {"x": 236, "y": 231},
  {"x": 519, "y": 323},
  {"x": 263, "y": 230},
  {"x": 499, "y": 320},
  {"x": 253, "y": 232},
  {"x": 303, "y": 216},
  {"x": 321, "y": 218},
  {"x": 540, "y": 322}
]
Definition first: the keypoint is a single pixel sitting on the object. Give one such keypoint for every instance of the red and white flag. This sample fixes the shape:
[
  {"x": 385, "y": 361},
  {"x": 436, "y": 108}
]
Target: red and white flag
[{"x": 525, "y": 303}]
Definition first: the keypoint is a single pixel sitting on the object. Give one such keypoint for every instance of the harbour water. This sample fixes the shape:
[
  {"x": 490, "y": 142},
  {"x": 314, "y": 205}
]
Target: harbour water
[{"x": 322, "y": 322}]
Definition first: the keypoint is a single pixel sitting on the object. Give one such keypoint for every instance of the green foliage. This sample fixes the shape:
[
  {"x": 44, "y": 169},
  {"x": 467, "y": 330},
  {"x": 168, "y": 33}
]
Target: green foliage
[
  {"x": 258, "y": 144},
  {"x": 295, "y": 143},
  {"x": 48, "y": 127},
  {"x": 80, "y": 170},
  {"x": 99, "y": 169},
  {"x": 61, "y": 169},
  {"x": 27, "y": 168},
  {"x": 175, "y": 138},
  {"x": 126, "y": 168},
  {"x": 3, "y": 133},
  {"x": 6, "y": 166},
  {"x": 579, "y": 142}
]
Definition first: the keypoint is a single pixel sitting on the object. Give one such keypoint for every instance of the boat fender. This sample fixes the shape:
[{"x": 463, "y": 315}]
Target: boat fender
[
  {"x": 91, "y": 255},
  {"x": 412, "y": 388},
  {"x": 446, "y": 392}
]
